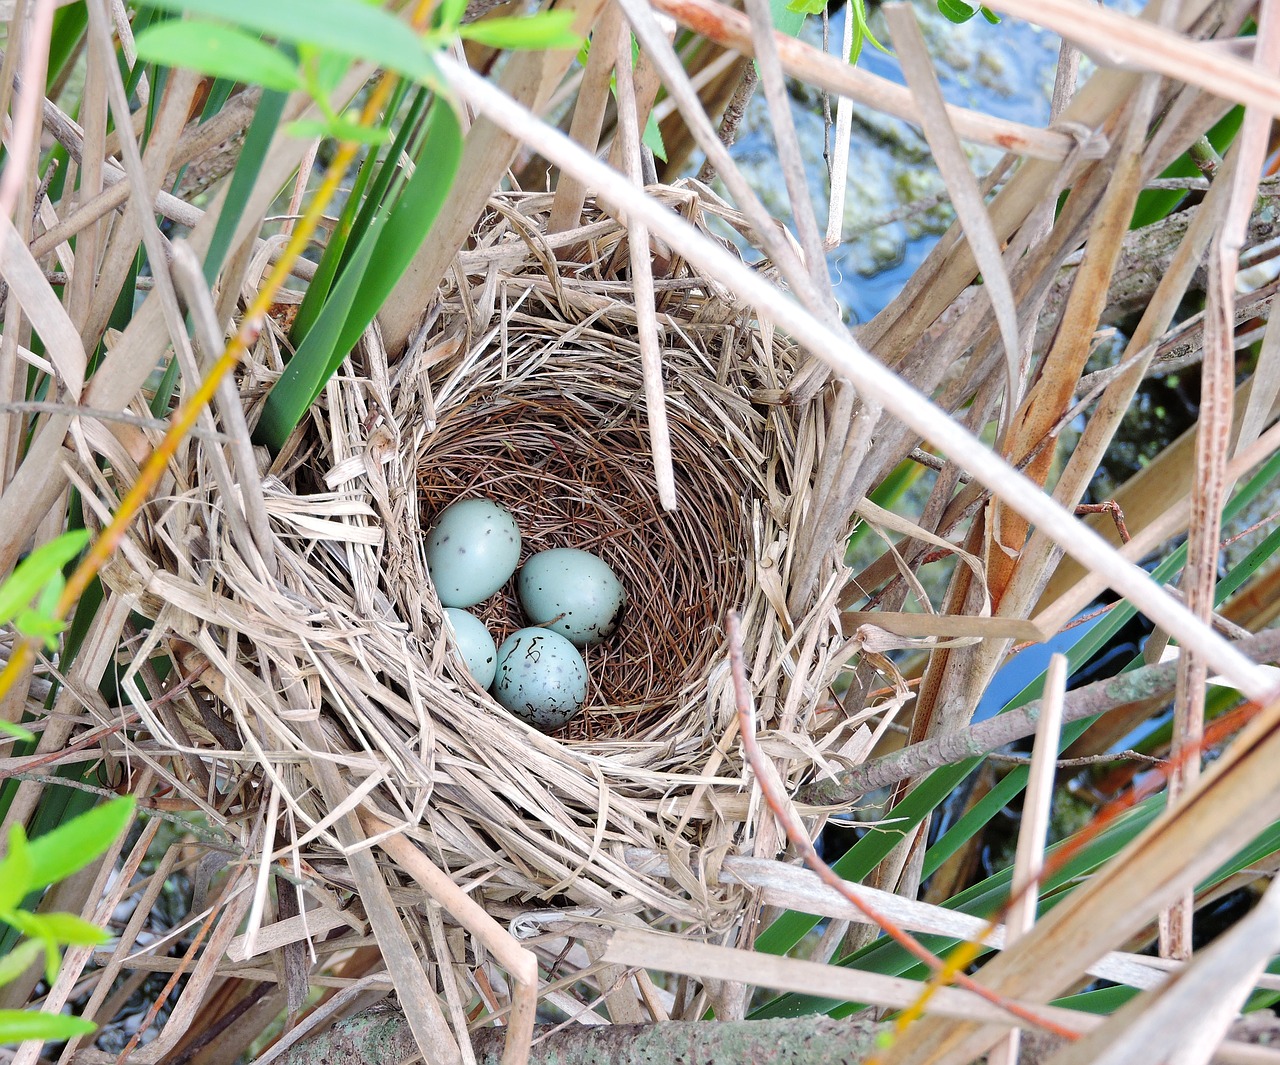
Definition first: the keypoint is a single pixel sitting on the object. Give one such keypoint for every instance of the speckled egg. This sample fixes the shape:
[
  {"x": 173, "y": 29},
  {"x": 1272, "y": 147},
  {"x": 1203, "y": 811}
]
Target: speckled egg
[
  {"x": 472, "y": 551},
  {"x": 474, "y": 644},
  {"x": 541, "y": 678},
  {"x": 571, "y": 592}
]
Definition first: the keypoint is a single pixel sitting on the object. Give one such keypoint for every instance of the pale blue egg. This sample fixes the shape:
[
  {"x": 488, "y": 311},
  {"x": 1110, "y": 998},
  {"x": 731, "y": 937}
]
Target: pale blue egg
[
  {"x": 472, "y": 551},
  {"x": 474, "y": 644},
  {"x": 541, "y": 678},
  {"x": 571, "y": 592}
]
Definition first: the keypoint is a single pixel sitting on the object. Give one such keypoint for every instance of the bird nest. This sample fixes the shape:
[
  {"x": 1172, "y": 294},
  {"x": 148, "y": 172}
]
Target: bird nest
[{"x": 320, "y": 668}]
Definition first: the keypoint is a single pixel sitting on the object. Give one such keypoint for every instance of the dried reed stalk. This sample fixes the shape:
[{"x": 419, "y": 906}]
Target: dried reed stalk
[{"x": 315, "y": 683}]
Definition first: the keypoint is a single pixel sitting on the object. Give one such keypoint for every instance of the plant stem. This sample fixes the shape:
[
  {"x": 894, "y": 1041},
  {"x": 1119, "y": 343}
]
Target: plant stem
[
  {"x": 185, "y": 417},
  {"x": 987, "y": 736}
]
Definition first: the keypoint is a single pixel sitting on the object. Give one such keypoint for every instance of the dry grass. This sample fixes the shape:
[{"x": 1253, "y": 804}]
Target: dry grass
[{"x": 339, "y": 758}]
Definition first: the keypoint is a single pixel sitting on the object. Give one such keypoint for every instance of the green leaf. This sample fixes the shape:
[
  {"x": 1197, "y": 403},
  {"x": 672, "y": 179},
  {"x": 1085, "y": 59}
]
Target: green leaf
[
  {"x": 652, "y": 137},
  {"x": 47, "y": 600},
  {"x": 348, "y": 27},
  {"x": 342, "y": 129},
  {"x": 36, "y": 626},
  {"x": 16, "y": 870},
  {"x": 72, "y": 930},
  {"x": 322, "y": 70},
  {"x": 52, "y": 930},
  {"x": 551, "y": 29},
  {"x": 449, "y": 15},
  {"x": 16, "y": 731},
  {"x": 956, "y": 11},
  {"x": 29, "y": 924},
  {"x": 220, "y": 51},
  {"x": 377, "y": 184},
  {"x": 19, "y": 960},
  {"x": 382, "y": 254},
  {"x": 412, "y": 217},
  {"x": 17, "y": 1026},
  {"x": 36, "y": 570},
  {"x": 248, "y": 165},
  {"x": 806, "y": 7},
  {"x": 33, "y": 925},
  {"x": 69, "y": 24},
  {"x": 319, "y": 355},
  {"x": 52, "y": 960},
  {"x": 71, "y": 846},
  {"x": 989, "y": 15},
  {"x": 38, "y": 622},
  {"x": 862, "y": 31},
  {"x": 855, "y": 39}
]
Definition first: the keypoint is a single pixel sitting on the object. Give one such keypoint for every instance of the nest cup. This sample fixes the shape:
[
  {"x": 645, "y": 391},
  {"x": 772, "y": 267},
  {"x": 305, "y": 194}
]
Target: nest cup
[
  {"x": 565, "y": 449},
  {"x": 524, "y": 386}
]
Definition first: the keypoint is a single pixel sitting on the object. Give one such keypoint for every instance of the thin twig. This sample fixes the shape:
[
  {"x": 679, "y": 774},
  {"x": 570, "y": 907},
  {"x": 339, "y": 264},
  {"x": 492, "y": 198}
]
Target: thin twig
[
  {"x": 1107, "y": 506},
  {"x": 934, "y": 462},
  {"x": 979, "y": 740},
  {"x": 782, "y": 809},
  {"x": 1087, "y": 760},
  {"x": 1251, "y": 529},
  {"x": 732, "y": 118},
  {"x": 120, "y": 416}
]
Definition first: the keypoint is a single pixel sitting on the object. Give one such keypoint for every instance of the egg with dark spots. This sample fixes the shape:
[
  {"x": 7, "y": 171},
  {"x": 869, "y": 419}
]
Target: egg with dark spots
[
  {"x": 572, "y": 592},
  {"x": 474, "y": 644},
  {"x": 541, "y": 678},
  {"x": 472, "y": 551}
]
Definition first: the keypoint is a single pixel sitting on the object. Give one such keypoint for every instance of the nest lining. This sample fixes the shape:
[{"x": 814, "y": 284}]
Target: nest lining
[{"x": 571, "y": 463}]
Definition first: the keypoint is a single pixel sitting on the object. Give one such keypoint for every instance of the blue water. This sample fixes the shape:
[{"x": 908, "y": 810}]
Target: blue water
[{"x": 1005, "y": 70}]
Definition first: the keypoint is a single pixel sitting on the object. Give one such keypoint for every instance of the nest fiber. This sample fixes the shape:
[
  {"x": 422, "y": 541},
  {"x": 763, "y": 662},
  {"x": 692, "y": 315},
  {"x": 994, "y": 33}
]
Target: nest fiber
[{"x": 324, "y": 672}]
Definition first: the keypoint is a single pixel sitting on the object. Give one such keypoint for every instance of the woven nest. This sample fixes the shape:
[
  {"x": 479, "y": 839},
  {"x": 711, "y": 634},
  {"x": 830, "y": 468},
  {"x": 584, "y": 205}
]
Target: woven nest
[{"x": 524, "y": 385}]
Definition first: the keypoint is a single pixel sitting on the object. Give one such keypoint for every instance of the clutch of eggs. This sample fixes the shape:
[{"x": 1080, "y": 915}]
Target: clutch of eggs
[{"x": 572, "y": 597}]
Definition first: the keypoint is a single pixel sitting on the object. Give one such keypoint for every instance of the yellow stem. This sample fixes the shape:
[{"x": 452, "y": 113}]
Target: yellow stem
[{"x": 185, "y": 417}]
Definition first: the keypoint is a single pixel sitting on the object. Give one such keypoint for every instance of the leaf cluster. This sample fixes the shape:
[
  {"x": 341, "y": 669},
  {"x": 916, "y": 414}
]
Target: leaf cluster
[
  {"x": 31, "y": 865},
  {"x": 954, "y": 10},
  {"x": 29, "y": 597},
  {"x": 309, "y": 50}
]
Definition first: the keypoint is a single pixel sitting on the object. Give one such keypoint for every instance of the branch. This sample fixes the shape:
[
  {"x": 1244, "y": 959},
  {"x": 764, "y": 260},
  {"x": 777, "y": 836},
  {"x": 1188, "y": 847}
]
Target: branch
[
  {"x": 1145, "y": 259},
  {"x": 981, "y": 739},
  {"x": 381, "y": 1034}
]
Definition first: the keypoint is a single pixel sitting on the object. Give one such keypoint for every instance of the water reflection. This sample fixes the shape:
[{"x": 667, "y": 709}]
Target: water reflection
[{"x": 1005, "y": 70}]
